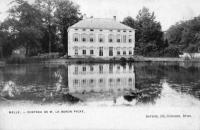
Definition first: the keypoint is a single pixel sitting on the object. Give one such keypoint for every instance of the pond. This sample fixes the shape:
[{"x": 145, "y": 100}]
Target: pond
[{"x": 134, "y": 84}]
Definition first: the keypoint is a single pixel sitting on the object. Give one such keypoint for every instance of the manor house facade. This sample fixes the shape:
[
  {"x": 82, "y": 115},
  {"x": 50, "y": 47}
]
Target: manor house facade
[{"x": 98, "y": 37}]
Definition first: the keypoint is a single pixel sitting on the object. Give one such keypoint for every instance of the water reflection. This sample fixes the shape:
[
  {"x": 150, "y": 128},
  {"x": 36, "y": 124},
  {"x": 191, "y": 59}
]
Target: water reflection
[{"x": 100, "y": 84}]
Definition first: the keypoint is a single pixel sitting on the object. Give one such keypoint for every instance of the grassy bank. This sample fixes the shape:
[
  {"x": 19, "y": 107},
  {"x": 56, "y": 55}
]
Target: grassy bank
[{"x": 27, "y": 60}]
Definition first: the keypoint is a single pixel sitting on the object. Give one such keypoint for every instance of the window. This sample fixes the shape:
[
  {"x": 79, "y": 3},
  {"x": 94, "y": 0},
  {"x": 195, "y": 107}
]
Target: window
[
  {"x": 91, "y": 68},
  {"x": 76, "y": 52},
  {"x": 118, "y": 67},
  {"x": 130, "y": 31},
  {"x": 101, "y": 38},
  {"x": 84, "y": 81},
  {"x": 110, "y": 38},
  {"x": 118, "y": 52},
  {"x": 124, "y": 38},
  {"x": 118, "y": 30},
  {"x": 84, "y": 37},
  {"x": 110, "y": 80},
  {"x": 84, "y": 68},
  {"x": 100, "y": 69},
  {"x": 130, "y": 39},
  {"x": 75, "y": 37},
  {"x": 91, "y": 52},
  {"x": 91, "y": 40},
  {"x": 118, "y": 79},
  {"x": 91, "y": 29},
  {"x": 91, "y": 81},
  {"x": 110, "y": 51},
  {"x": 130, "y": 52},
  {"x": 130, "y": 79},
  {"x": 124, "y": 31},
  {"x": 75, "y": 82},
  {"x": 100, "y": 80},
  {"x": 101, "y": 30},
  {"x": 100, "y": 51},
  {"x": 76, "y": 70},
  {"x": 110, "y": 68},
  {"x": 84, "y": 52},
  {"x": 118, "y": 38},
  {"x": 84, "y": 29},
  {"x": 92, "y": 37},
  {"x": 124, "y": 52}
]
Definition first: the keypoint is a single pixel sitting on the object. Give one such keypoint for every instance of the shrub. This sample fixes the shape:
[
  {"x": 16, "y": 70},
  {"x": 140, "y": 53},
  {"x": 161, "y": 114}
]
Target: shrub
[
  {"x": 171, "y": 51},
  {"x": 122, "y": 59}
]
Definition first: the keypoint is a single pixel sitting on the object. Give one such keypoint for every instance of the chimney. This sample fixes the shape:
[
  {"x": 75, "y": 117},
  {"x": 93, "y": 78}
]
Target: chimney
[{"x": 115, "y": 18}]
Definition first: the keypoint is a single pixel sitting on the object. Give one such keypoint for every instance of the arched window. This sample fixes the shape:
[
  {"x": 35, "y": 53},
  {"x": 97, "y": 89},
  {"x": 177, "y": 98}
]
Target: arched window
[
  {"x": 101, "y": 38},
  {"x": 110, "y": 38},
  {"x": 84, "y": 37},
  {"x": 92, "y": 38},
  {"x": 76, "y": 37},
  {"x": 118, "y": 38}
]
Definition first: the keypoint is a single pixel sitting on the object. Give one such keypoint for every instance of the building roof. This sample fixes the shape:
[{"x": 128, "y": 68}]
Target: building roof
[{"x": 100, "y": 23}]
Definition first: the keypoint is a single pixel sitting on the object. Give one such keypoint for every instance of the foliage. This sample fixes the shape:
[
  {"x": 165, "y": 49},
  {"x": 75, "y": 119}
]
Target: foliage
[
  {"x": 171, "y": 51},
  {"x": 67, "y": 13},
  {"x": 185, "y": 35},
  {"x": 40, "y": 27},
  {"x": 149, "y": 36}
]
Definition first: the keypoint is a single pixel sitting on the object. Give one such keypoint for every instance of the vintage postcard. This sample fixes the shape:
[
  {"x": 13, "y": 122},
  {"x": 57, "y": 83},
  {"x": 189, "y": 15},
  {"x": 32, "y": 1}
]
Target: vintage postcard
[{"x": 99, "y": 65}]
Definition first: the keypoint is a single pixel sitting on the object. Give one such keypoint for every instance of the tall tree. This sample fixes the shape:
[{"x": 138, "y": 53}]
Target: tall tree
[
  {"x": 67, "y": 13},
  {"x": 149, "y": 36},
  {"x": 47, "y": 9},
  {"x": 23, "y": 24},
  {"x": 185, "y": 35}
]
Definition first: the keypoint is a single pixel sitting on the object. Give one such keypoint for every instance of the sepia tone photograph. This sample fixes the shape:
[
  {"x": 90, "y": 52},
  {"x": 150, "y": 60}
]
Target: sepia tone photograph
[{"x": 99, "y": 64}]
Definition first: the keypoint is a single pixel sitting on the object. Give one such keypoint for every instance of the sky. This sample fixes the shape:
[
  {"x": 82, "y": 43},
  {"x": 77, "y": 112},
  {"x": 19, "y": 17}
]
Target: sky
[{"x": 167, "y": 12}]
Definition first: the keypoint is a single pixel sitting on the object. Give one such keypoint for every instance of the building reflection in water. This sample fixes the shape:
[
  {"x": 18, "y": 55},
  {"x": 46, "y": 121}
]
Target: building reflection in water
[{"x": 100, "y": 78}]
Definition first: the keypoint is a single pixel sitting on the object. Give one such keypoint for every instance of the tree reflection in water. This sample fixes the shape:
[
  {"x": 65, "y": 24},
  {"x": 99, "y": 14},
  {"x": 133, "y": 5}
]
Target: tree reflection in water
[{"x": 139, "y": 83}]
